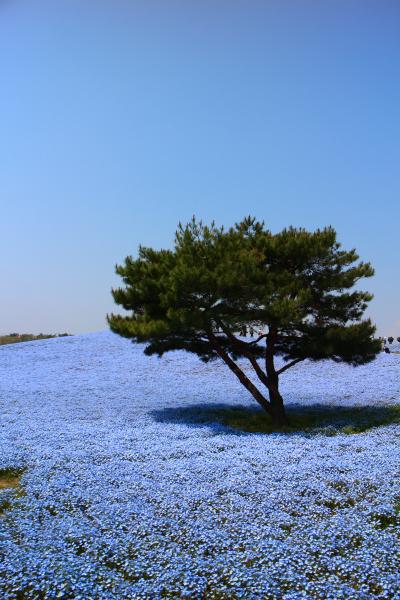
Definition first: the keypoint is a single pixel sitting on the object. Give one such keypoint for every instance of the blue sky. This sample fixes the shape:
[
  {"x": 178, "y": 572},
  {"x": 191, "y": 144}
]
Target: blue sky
[{"x": 118, "y": 119}]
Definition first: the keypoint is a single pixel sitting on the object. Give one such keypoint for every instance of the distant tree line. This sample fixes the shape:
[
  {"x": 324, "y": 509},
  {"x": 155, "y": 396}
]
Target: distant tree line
[
  {"x": 13, "y": 338},
  {"x": 388, "y": 340}
]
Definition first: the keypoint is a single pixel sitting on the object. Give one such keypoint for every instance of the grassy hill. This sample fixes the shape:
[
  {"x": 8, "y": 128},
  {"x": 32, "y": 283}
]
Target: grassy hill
[{"x": 139, "y": 477}]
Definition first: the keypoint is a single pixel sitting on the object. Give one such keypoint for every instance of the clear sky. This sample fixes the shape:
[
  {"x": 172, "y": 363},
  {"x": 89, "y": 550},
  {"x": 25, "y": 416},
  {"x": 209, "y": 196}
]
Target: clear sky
[{"x": 118, "y": 119}]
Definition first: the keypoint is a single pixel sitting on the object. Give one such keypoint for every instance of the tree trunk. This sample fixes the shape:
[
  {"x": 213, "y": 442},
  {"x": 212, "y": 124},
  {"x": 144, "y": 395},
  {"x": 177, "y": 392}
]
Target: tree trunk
[{"x": 278, "y": 413}]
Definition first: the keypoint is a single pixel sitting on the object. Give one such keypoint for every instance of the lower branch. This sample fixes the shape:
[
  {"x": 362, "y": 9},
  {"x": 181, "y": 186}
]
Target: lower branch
[
  {"x": 289, "y": 365},
  {"x": 264, "y": 335}
]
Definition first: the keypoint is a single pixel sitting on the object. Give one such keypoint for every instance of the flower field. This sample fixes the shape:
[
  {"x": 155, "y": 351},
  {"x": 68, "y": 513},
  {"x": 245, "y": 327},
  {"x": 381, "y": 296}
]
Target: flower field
[{"x": 134, "y": 485}]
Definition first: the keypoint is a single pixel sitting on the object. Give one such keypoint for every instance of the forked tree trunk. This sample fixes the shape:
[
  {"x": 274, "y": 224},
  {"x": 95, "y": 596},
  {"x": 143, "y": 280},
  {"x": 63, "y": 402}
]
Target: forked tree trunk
[{"x": 275, "y": 407}]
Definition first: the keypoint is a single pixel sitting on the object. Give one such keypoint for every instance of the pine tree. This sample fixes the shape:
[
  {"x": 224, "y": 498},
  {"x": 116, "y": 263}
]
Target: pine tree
[{"x": 294, "y": 286}]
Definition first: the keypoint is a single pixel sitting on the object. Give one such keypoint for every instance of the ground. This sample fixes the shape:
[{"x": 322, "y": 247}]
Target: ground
[{"x": 133, "y": 478}]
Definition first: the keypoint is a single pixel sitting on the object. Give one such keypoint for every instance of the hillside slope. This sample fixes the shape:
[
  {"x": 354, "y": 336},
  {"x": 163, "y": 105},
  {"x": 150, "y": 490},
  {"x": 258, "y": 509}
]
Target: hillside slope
[{"x": 133, "y": 488}]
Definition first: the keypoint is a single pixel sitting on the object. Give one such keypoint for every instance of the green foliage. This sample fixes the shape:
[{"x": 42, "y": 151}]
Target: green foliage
[{"x": 295, "y": 283}]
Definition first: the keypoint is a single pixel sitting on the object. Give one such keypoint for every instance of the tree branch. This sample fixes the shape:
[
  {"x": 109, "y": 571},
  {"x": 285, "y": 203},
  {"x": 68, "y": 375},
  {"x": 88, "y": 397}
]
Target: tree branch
[
  {"x": 256, "y": 341},
  {"x": 289, "y": 365}
]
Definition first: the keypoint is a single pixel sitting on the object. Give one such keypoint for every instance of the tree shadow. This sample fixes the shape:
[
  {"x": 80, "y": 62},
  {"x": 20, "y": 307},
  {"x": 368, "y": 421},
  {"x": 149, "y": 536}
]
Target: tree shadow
[{"x": 313, "y": 419}]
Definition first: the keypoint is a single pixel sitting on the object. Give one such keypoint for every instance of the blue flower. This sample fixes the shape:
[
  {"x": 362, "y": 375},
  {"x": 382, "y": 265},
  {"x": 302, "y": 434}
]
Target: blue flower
[{"x": 125, "y": 496}]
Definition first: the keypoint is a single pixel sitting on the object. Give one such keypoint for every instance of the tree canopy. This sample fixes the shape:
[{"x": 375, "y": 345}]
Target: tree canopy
[{"x": 295, "y": 287}]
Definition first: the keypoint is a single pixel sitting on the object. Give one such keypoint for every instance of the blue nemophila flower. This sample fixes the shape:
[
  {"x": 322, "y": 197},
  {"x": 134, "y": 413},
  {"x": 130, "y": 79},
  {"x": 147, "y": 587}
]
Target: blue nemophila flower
[{"x": 134, "y": 488}]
